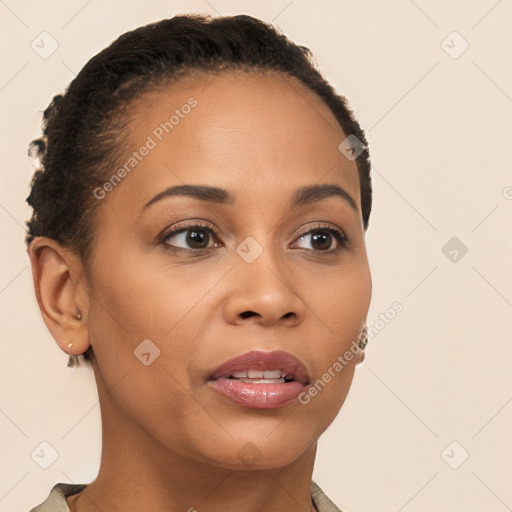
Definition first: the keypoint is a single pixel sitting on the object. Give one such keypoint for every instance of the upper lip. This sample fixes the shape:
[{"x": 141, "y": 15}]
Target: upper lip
[{"x": 260, "y": 360}]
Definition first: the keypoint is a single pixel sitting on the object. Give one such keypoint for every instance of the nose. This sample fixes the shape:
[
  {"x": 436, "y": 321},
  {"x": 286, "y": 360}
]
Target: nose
[{"x": 265, "y": 292}]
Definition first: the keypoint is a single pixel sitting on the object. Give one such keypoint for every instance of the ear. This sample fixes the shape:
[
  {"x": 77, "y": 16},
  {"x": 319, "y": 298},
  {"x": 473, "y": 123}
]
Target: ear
[{"x": 61, "y": 292}]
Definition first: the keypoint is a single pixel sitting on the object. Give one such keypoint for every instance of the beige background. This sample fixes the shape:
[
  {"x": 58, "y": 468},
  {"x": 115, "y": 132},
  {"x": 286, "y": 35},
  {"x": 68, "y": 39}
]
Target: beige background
[{"x": 440, "y": 133}]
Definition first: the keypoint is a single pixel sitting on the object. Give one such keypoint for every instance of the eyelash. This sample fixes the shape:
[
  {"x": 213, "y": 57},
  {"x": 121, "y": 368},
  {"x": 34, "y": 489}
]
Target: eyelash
[{"x": 338, "y": 234}]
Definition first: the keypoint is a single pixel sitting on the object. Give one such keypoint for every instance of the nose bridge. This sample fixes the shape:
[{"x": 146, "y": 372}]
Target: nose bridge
[
  {"x": 261, "y": 282},
  {"x": 259, "y": 262}
]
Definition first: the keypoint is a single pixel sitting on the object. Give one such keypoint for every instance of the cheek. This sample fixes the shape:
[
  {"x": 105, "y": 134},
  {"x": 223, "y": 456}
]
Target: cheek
[
  {"x": 146, "y": 296},
  {"x": 143, "y": 298},
  {"x": 340, "y": 300},
  {"x": 340, "y": 309},
  {"x": 134, "y": 304}
]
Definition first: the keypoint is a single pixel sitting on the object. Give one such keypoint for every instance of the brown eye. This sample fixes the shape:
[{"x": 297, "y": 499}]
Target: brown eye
[
  {"x": 322, "y": 239},
  {"x": 190, "y": 237}
]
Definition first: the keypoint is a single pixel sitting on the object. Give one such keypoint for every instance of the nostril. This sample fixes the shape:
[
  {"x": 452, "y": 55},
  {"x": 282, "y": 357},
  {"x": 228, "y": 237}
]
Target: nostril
[{"x": 247, "y": 314}]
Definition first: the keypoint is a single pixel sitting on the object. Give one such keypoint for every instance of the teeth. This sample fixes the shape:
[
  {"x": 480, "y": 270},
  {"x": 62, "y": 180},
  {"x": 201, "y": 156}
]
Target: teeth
[
  {"x": 263, "y": 381},
  {"x": 273, "y": 374},
  {"x": 259, "y": 374},
  {"x": 239, "y": 375}
]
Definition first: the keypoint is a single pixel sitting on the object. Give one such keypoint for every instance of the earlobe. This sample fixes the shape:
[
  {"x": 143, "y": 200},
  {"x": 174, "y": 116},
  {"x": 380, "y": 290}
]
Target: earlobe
[{"x": 61, "y": 293}]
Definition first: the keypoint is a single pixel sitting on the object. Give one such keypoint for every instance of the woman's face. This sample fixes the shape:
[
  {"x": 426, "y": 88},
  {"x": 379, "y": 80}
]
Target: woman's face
[{"x": 260, "y": 273}]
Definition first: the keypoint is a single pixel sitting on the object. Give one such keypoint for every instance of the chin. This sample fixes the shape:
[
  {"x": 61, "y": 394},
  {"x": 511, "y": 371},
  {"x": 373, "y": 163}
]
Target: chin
[{"x": 259, "y": 452}]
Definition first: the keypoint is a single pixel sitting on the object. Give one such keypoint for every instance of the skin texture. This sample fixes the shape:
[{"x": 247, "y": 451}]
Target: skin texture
[{"x": 171, "y": 442}]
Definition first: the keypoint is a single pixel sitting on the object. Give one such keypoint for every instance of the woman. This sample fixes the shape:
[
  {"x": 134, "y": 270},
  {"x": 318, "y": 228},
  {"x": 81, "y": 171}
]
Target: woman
[{"x": 198, "y": 237}]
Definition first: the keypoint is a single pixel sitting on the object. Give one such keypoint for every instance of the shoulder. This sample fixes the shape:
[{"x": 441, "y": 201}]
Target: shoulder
[
  {"x": 321, "y": 501},
  {"x": 56, "y": 500}
]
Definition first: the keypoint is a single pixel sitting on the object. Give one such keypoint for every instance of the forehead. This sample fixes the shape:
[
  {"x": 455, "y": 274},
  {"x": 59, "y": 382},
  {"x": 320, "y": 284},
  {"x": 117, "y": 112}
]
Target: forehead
[{"x": 236, "y": 130}]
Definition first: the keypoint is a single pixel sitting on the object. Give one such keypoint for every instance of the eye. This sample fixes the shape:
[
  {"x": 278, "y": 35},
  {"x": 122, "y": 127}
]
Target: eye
[
  {"x": 197, "y": 236},
  {"x": 190, "y": 237},
  {"x": 322, "y": 238}
]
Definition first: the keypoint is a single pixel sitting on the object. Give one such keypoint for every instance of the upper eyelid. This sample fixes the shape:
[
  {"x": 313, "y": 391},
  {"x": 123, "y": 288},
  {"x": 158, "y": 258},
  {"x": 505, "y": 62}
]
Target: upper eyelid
[
  {"x": 190, "y": 227},
  {"x": 318, "y": 225},
  {"x": 205, "y": 225}
]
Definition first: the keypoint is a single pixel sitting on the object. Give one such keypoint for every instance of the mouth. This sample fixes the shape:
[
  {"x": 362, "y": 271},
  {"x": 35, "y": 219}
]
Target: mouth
[{"x": 261, "y": 380}]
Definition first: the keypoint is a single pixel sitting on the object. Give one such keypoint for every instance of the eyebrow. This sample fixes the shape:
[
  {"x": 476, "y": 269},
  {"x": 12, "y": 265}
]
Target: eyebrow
[{"x": 303, "y": 196}]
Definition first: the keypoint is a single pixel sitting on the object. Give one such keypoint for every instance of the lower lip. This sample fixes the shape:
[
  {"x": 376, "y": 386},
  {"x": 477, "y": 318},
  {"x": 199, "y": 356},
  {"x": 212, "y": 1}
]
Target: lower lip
[{"x": 259, "y": 396}]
